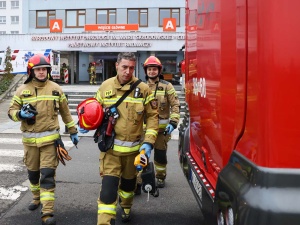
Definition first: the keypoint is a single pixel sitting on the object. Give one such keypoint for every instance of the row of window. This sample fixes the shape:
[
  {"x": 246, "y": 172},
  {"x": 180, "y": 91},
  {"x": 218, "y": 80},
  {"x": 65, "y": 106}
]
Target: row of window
[
  {"x": 11, "y": 32},
  {"x": 13, "y": 4},
  {"x": 76, "y": 18},
  {"x": 13, "y": 19}
]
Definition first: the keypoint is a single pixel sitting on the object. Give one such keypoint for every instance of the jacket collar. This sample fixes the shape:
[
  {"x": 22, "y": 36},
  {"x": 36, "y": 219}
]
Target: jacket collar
[{"x": 126, "y": 86}]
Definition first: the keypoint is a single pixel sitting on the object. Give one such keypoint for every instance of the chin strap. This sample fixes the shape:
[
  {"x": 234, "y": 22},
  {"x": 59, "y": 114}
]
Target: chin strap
[{"x": 44, "y": 80}]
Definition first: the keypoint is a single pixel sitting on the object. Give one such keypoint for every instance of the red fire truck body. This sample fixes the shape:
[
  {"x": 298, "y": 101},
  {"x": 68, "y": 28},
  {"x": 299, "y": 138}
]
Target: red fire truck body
[{"x": 239, "y": 140}]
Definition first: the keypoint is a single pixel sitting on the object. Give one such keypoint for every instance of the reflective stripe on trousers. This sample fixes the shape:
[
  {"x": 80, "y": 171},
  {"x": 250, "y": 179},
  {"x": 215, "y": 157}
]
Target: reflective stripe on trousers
[{"x": 109, "y": 209}]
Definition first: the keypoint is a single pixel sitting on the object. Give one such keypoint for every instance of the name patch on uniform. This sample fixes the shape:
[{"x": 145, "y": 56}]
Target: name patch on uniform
[
  {"x": 26, "y": 92},
  {"x": 108, "y": 93}
]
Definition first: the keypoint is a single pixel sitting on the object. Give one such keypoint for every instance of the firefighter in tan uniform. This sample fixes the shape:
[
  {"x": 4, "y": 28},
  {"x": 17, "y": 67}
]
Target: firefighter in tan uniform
[
  {"x": 168, "y": 108},
  {"x": 92, "y": 73},
  {"x": 117, "y": 164},
  {"x": 40, "y": 131}
]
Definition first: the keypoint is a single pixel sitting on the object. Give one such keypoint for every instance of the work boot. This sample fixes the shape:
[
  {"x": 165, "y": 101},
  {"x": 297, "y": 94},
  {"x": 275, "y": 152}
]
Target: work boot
[
  {"x": 138, "y": 189},
  {"x": 34, "y": 205},
  {"x": 126, "y": 217},
  {"x": 160, "y": 183},
  {"x": 48, "y": 220}
]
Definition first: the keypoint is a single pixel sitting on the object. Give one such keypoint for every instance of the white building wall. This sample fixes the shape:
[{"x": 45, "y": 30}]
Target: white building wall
[
  {"x": 64, "y": 42},
  {"x": 8, "y": 12}
]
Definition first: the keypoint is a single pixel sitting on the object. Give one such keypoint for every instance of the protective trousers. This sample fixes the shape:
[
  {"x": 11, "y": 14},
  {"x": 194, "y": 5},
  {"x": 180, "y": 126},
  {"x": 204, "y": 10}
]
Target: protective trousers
[
  {"x": 160, "y": 155},
  {"x": 118, "y": 179},
  {"x": 93, "y": 79},
  {"x": 41, "y": 164}
]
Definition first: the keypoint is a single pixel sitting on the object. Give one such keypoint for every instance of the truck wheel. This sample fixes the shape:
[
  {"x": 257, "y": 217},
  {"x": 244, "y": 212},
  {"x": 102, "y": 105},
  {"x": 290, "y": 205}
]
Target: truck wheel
[
  {"x": 229, "y": 216},
  {"x": 220, "y": 218}
]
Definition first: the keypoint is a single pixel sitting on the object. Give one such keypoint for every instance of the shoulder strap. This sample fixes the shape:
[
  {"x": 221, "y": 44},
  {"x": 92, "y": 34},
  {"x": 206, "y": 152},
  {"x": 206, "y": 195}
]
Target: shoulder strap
[{"x": 133, "y": 86}]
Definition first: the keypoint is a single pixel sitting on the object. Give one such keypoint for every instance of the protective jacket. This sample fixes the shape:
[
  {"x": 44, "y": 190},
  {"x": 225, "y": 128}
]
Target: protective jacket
[
  {"x": 168, "y": 103},
  {"x": 49, "y": 100},
  {"x": 92, "y": 70},
  {"x": 132, "y": 111}
]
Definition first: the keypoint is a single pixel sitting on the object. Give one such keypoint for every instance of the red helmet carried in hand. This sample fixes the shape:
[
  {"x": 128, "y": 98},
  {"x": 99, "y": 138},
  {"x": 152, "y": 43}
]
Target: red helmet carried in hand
[{"x": 90, "y": 114}]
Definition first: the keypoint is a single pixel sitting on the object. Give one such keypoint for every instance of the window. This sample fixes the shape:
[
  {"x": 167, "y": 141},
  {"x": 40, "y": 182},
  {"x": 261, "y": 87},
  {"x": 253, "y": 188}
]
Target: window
[
  {"x": 14, "y": 32},
  {"x": 2, "y": 19},
  {"x": 169, "y": 65},
  {"x": 2, "y": 4},
  {"x": 169, "y": 13},
  {"x": 138, "y": 16},
  {"x": 14, "y": 4},
  {"x": 43, "y": 18},
  {"x": 75, "y": 18},
  {"x": 14, "y": 19},
  {"x": 2, "y": 32},
  {"x": 106, "y": 16}
]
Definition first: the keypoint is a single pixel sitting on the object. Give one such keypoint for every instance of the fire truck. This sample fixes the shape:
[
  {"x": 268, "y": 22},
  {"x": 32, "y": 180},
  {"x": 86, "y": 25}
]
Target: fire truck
[
  {"x": 240, "y": 136},
  {"x": 19, "y": 60}
]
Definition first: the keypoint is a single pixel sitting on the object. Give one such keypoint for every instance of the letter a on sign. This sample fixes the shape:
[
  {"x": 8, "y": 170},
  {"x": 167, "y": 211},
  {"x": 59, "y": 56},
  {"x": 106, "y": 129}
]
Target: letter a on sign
[
  {"x": 55, "y": 26},
  {"x": 169, "y": 24}
]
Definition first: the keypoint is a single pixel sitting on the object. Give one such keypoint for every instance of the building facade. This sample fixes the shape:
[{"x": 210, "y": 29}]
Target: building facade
[
  {"x": 96, "y": 31},
  {"x": 10, "y": 17}
]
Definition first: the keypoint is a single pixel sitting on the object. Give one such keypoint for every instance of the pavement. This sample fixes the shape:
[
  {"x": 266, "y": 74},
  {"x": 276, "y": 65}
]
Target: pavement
[{"x": 8, "y": 126}]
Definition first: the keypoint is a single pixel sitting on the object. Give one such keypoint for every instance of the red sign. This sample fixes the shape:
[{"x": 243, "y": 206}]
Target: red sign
[
  {"x": 169, "y": 24},
  {"x": 55, "y": 26},
  {"x": 111, "y": 27}
]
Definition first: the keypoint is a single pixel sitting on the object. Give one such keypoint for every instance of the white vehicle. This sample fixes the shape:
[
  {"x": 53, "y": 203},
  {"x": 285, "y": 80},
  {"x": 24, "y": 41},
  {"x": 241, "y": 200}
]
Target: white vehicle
[{"x": 19, "y": 60}]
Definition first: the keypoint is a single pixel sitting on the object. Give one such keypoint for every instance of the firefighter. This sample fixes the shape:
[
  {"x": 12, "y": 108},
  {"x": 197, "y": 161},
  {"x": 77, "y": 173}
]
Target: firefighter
[
  {"x": 62, "y": 71},
  {"x": 117, "y": 164},
  {"x": 92, "y": 73},
  {"x": 168, "y": 109},
  {"x": 40, "y": 128}
]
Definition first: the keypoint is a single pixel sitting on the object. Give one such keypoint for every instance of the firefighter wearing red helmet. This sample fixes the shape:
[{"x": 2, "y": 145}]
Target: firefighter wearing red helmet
[
  {"x": 37, "y": 104},
  {"x": 117, "y": 167},
  {"x": 168, "y": 109},
  {"x": 92, "y": 73}
]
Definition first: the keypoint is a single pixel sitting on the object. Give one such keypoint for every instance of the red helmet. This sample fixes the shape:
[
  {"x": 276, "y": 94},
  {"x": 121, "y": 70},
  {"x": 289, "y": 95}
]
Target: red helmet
[
  {"x": 152, "y": 61},
  {"x": 182, "y": 66},
  {"x": 38, "y": 61},
  {"x": 90, "y": 114}
]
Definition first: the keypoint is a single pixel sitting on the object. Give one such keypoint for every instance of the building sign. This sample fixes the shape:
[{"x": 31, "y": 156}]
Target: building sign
[
  {"x": 56, "y": 26},
  {"x": 169, "y": 24},
  {"x": 111, "y": 27},
  {"x": 110, "y": 39},
  {"x": 97, "y": 41}
]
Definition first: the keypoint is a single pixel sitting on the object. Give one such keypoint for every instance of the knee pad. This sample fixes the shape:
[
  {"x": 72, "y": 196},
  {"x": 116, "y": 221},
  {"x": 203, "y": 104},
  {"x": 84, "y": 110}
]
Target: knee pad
[
  {"x": 160, "y": 156},
  {"x": 47, "y": 178},
  {"x": 34, "y": 176},
  {"x": 128, "y": 185},
  {"x": 109, "y": 189}
]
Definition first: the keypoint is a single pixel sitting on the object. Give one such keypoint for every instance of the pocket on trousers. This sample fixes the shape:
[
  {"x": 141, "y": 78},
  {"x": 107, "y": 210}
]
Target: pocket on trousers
[
  {"x": 25, "y": 157},
  {"x": 101, "y": 163}
]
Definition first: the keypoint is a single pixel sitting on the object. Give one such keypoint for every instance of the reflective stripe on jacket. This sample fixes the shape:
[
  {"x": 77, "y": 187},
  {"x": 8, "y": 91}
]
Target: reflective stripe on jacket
[
  {"x": 49, "y": 101},
  {"x": 132, "y": 112}
]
